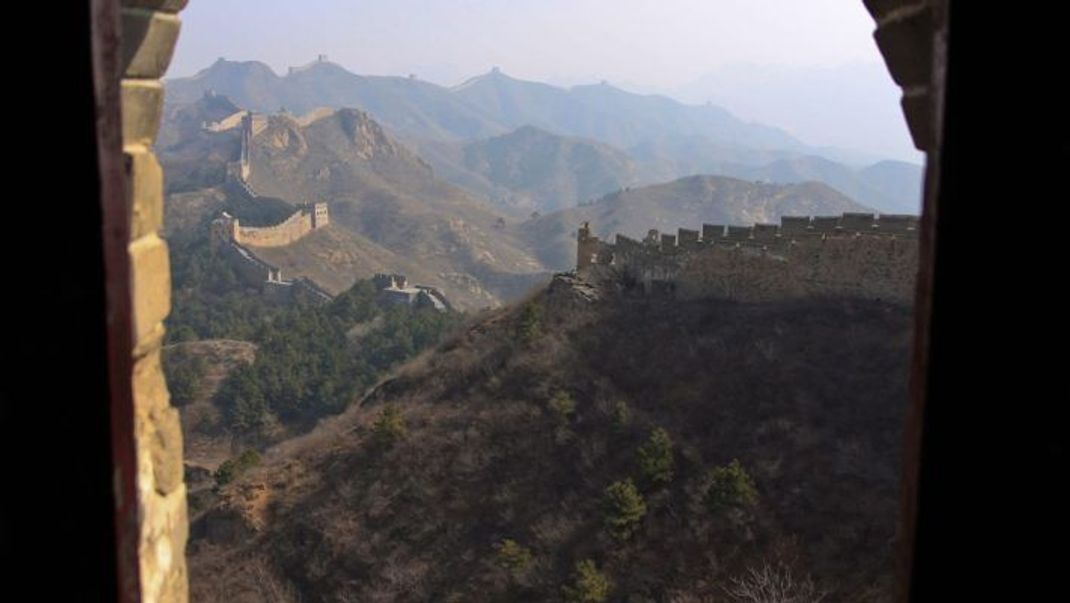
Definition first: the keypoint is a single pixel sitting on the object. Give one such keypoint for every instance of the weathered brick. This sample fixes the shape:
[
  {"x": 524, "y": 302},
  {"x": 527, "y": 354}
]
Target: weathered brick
[
  {"x": 150, "y": 391},
  {"x": 171, "y": 6},
  {"x": 917, "y": 106},
  {"x": 142, "y": 106},
  {"x": 145, "y": 190},
  {"x": 906, "y": 44},
  {"x": 150, "y": 273},
  {"x": 148, "y": 42},
  {"x": 166, "y": 449},
  {"x": 881, "y": 8}
]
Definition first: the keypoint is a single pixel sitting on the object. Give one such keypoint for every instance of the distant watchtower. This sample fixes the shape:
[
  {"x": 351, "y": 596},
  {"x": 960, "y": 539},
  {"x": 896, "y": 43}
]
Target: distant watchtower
[
  {"x": 586, "y": 247},
  {"x": 320, "y": 218}
]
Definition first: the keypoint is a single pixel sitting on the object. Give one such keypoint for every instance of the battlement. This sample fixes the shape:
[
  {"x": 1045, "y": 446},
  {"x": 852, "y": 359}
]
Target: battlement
[
  {"x": 854, "y": 254},
  {"x": 307, "y": 218}
]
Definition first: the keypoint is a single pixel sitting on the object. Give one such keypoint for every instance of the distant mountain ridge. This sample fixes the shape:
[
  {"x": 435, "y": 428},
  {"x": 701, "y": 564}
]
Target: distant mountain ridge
[{"x": 665, "y": 139}]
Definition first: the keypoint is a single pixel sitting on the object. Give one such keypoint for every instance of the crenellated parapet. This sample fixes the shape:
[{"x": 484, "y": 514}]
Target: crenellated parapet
[
  {"x": 307, "y": 218},
  {"x": 853, "y": 254}
]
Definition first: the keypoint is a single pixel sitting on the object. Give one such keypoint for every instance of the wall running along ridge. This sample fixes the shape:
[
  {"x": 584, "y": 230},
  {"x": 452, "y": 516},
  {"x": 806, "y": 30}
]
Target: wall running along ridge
[{"x": 855, "y": 255}]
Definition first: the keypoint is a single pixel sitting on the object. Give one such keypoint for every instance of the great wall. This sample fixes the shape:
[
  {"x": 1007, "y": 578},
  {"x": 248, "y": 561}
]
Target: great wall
[
  {"x": 235, "y": 241},
  {"x": 856, "y": 254}
]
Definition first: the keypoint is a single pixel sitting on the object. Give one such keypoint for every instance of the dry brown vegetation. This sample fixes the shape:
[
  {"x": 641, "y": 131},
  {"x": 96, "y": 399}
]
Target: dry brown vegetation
[{"x": 809, "y": 396}]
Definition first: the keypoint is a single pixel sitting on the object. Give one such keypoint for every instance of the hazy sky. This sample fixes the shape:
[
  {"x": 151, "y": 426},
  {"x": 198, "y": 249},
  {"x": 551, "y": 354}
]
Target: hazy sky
[{"x": 642, "y": 45}]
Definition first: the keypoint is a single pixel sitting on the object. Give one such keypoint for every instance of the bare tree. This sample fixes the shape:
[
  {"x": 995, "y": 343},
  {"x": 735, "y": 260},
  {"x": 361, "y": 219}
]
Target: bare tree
[
  {"x": 271, "y": 588},
  {"x": 773, "y": 585}
]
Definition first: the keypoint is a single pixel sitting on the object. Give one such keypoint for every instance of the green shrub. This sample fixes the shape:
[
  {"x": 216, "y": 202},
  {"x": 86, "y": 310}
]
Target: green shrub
[
  {"x": 512, "y": 557},
  {"x": 622, "y": 509},
  {"x": 656, "y": 458},
  {"x": 730, "y": 487},
  {"x": 562, "y": 405},
  {"x": 588, "y": 584},
  {"x": 232, "y": 469},
  {"x": 389, "y": 427}
]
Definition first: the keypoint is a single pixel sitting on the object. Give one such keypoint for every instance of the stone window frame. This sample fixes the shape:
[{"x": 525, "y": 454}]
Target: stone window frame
[{"x": 132, "y": 44}]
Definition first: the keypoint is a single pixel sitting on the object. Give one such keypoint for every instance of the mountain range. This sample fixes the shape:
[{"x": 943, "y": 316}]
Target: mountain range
[{"x": 663, "y": 139}]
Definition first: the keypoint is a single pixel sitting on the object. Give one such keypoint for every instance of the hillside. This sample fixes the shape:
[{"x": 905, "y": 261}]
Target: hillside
[
  {"x": 207, "y": 363},
  {"x": 388, "y": 210},
  {"x": 684, "y": 203},
  {"x": 492, "y": 477},
  {"x": 381, "y": 192},
  {"x": 533, "y": 170},
  {"x": 887, "y": 186}
]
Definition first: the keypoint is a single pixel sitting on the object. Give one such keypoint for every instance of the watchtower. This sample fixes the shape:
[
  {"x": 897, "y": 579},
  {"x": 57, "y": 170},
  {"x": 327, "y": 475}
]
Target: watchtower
[{"x": 586, "y": 247}]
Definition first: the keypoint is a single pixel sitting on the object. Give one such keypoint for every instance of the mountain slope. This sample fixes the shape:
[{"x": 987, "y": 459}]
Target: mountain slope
[
  {"x": 533, "y": 170},
  {"x": 684, "y": 203},
  {"x": 390, "y": 211},
  {"x": 602, "y": 112},
  {"x": 807, "y": 396},
  {"x": 380, "y": 190}
]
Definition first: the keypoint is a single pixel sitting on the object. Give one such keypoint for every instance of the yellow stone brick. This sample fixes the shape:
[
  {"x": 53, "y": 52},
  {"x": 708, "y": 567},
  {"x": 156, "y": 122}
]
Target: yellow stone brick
[
  {"x": 150, "y": 273},
  {"x": 148, "y": 42},
  {"x": 171, "y": 6},
  {"x": 142, "y": 106},
  {"x": 150, "y": 390},
  {"x": 145, "y": 178},
  {"x": 166, "y": 449}
]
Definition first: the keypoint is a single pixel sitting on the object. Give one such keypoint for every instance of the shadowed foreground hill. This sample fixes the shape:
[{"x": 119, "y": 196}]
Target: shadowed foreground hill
[{"x": 492, "y": 473}]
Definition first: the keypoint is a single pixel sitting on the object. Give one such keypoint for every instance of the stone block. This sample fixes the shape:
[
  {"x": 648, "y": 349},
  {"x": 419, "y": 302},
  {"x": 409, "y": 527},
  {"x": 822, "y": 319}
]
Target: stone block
[
  {"x": 166, "y": 449},
  {"x": 711, "y": 233},
  {"x": 142, "y": 106},
  {"x": 170, "y": 6},
  {"x": 150, "y": 274},
  {"x": 150, "y": 389},
  {"x": 917, "y": 107},
  {"x": 148, "y": 42},
  {"x": 906, "y": 42},
  {"x": 145, "y": 190},
  {"x": 880, "y": 9}
]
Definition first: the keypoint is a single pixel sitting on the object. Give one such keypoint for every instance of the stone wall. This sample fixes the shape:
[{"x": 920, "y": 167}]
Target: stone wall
[
  {"x": 858, "y": 255},
  {"x": 255, "y": 272},
  {"x": 149, "y": 29},
  {"x": 289, "y": 231}
]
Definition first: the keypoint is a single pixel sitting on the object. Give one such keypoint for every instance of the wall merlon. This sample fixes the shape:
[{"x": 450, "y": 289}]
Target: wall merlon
[
  {"x": 858, "y": 222},
  {"x": 766, "y": 232},
  {"x": 825, "y": 224},
  {"x": 687, "y": 238},
  {"x": 793, "y": 225},
  {"x": 738, "y": 233},
  {"x": 711, "y": 233},
  {"x": 897, "y": 223}
]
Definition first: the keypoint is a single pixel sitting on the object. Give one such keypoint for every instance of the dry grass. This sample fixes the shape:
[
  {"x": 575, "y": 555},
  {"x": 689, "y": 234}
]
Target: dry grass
[{"x": 815, "y": 422}]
